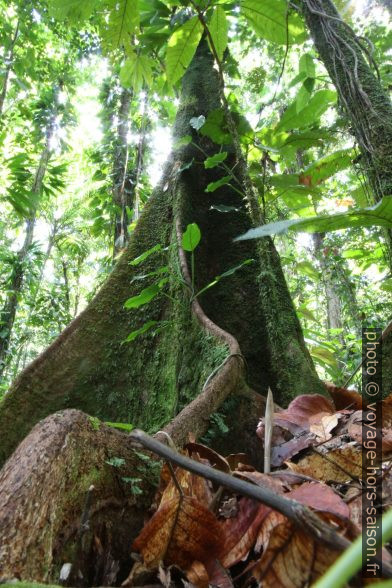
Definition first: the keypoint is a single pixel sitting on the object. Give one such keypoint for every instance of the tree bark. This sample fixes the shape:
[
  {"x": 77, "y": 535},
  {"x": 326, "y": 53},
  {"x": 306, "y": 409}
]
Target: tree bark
[
  {"x": 66, "y": 497},
  {"x": 147, "y": 382},
  {"x": 122, "y": 181},
  {"x": 367, "y": 106},
  {"x": 366, "y": 103}
]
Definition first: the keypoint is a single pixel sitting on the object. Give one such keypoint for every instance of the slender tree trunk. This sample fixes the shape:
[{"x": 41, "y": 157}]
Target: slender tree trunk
[
  {"x": 9, "y": 62},
  {"x": 139, "y": 162},
  {"x": 8, "y": 313},
  {"x": 150, "y": 380},
  {"x": 122, "y": 188},
  {"x": 367, "y": 106}
]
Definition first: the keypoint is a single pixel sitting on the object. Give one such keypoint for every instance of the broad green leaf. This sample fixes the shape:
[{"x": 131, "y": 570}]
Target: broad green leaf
[
  {"x": 146, "y": 327},
  {"x": 324, "y": 354},
  {"x": 219, "y": 28},
  {"x": 181, "y": 48},
  {"x": 123, "y": 22},
  {"x": 75, "y": 11},
  {"x": 215, "y": 160},
  {"x": 218, "y": 184},
  {"x": 326, "y": 167},
  {"x": 378, "y": 215},
  {"x": 145, "y": 295},
  {"x": 304, "y": 94},
  {"x": 306, "y": 65},
  {"x": 145, "y": 254},
  {"x": 387, "y": 285},
  {"x": 121, "y": 426},
  {"x": 215, "y": 127},
  {"x": 185, "y": 140},
  {"x": 136, "y": 71},
  {"x": 269, "y": 19},
  {"x": 318, "y": 104},
  {"x": 191, "y": 237}
]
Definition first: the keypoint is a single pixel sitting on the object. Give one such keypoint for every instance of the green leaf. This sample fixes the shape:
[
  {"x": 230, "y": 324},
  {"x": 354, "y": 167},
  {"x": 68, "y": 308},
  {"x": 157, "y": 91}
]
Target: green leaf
[
  {"x": 122, "y": 426},
  {"x": 269, "y": 19},
  {"x": 212, "y": 186},
  {"x": 146, "y": 254},
  {"x": 306, "y": 65},
  {"x": 197, "y": 122},
  {"x": 75, "y": 11},
  {"x": 145, "y": 295},
  {"x": 219, "y": 28},
  {"x": 318, "y": 104},
  {"x": 181, "y": 48},
  {"x": 324, "y": 354},
  {"x": 185, "y": 140},
  {"x": 379, "y": 215},
  {"x": 122, "y": 24},
  {"x": 225, "y": 274},
  {"x": 215, "y": 160},
  {"x": 191, "y": 237},
  {"x": 136, "y": 71},
  {"x": 215, "y": 127},
  {"x": 146, "y": 327},
  {"x": 308, "y": 269},
  {"x": 304, "y": 94},
  {"x": 326, "y": 167}
]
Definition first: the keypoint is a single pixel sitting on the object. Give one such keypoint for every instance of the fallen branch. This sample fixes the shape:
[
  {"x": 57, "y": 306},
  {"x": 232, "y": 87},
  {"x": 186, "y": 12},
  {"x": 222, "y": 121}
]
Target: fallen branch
[{"x": 298, "y": 513}]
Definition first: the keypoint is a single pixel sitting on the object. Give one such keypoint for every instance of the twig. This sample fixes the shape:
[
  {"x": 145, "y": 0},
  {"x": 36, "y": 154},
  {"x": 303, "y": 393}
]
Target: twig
[{"x": 300, "y": 514}]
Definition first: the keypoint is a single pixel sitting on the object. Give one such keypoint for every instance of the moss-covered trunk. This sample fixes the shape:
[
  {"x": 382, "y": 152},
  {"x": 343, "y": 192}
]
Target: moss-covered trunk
[
  {"x": 151, "y": 379},
  {"x": 367, "y": 105},
  {"x": 360, "y": 92}
]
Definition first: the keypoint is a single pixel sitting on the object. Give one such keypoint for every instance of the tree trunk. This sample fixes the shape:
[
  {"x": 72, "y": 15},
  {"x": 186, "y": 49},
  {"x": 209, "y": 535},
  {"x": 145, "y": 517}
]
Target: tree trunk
[
  {"x": 9, "y": 62},
  {"x": 367, "y": 105},
  {"x": 368, "y": 108},
  {"x": 147, "y": 382},
  {"x": 8, "y": 313},
  {"x": 122, "y": 182},
  {"x": 66, "y": 497},
  {"x": 139, "y": 162}
]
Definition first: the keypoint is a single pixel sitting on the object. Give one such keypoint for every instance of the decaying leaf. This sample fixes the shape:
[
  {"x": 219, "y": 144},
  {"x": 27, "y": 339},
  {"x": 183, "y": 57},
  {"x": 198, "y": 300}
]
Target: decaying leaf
[
  {"x": 322, "y": 429},
  {"x": 180, "y": 532},
  {"x": 338, "y": 465},
  {"x": 291, "y": 559}
]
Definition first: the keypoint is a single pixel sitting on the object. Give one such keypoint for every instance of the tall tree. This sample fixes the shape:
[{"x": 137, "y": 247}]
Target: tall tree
[{"x": 149, "y": 384}]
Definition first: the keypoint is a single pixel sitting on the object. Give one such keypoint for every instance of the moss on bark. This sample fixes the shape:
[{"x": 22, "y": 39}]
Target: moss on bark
[{"x": 148, "y": 381}]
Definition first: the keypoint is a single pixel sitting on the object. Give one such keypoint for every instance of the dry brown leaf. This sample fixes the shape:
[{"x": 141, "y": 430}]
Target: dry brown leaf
[
  {"x": 198, "y": 575},
  {"x": 240, "y": 532},
  {"x": 344, "y": 398},
  {"x": 291, "y": 559},
  {"x": 191, "y": 485},
  {"x": 301, "y": 409},
  {"x": 322, "y": 428},
  {"x": 320, "y": 498},
  {"x": 180, "y": 532},
  {"x": 282, "y": 453},
  {"x": 215, "y": 460},
  {"x": 338, "y": 465}
]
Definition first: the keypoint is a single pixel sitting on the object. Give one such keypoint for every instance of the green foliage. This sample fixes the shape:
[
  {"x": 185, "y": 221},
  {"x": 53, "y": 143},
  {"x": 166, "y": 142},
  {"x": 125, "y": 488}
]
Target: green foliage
[
  {"x": 272, "y": 20},
  {"x": 191, "y": 237},
  {"x": 378, "y": 215},
  {"x": 215, "y": 160},
  {"x": 136, "y": 71},
  {"x": 219, "y": 28},
  {"x": 122, "y": 24},
  {"x": 181, "y": 48}
]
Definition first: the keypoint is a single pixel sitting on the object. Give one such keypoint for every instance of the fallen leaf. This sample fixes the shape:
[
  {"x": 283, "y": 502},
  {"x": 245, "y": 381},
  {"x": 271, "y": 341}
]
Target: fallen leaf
[
  {"x": 337, "y": 465},
  {"x": 344, "y": 398},
  {"x": 180, "y": 532},
  {"x": 198, "y": 575},
  {"x": 324, "y": 427}
]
